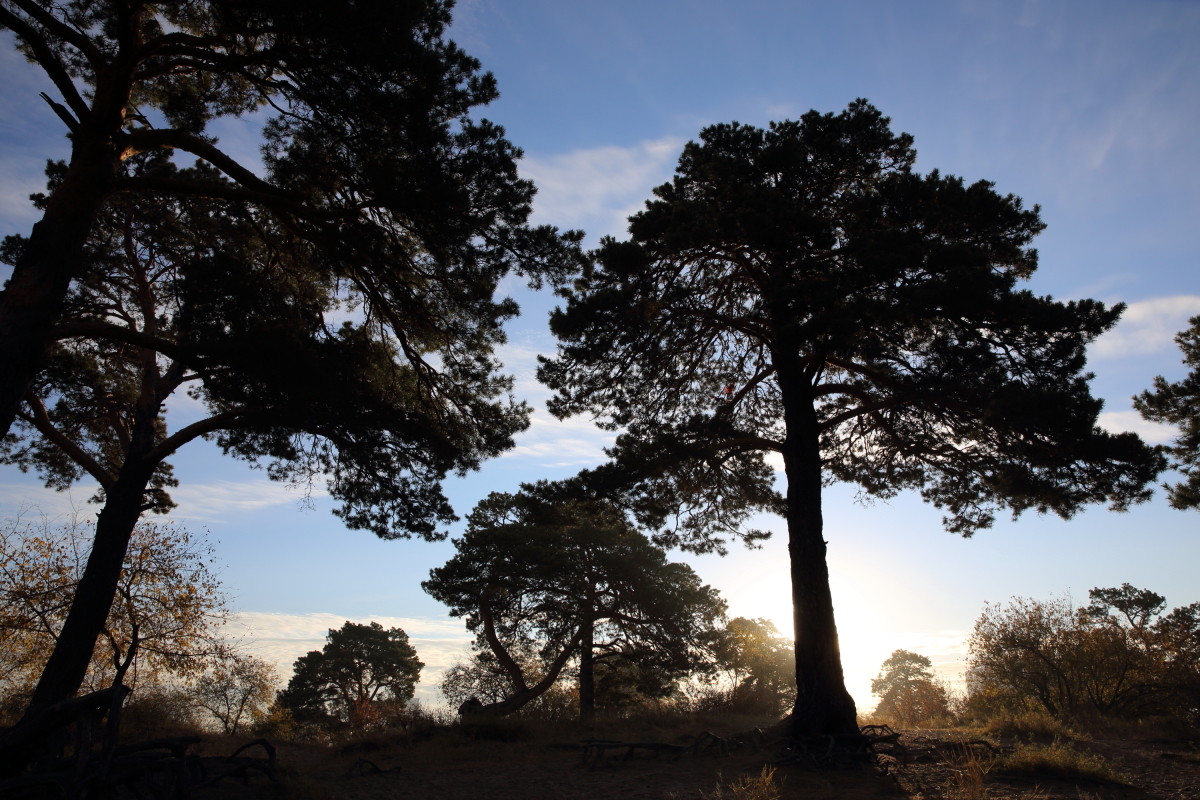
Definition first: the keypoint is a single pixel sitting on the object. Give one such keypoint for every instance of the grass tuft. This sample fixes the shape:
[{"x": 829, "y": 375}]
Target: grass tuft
[
  {"x": 1058, "y": 760},
  {"x": 1030, "y": 726},
  {"x": 748, "y": 787}
]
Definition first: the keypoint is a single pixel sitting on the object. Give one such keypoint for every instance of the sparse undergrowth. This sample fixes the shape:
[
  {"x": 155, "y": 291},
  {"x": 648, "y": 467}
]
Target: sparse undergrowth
[
  {"x": 1057, "y": 759},
  {"x": 1030, "y": 726},
  {"x": 763, "y": 786},
  {"x": 528, "y": 759}
]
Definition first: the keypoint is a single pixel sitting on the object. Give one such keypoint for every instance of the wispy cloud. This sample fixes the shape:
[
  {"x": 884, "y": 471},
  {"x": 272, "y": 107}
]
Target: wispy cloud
[
  {"x": 562, "y": 443},
  {"x": 1148, "y": 326},
  {"x": 553, "y": 443},
  {"x": 209, "y": 501},
  {"x": 1132, "y": 422},
  {"x": 33, "y": 502},
  {"x": 218, "y": 499},
  {"x": 598, "y": 189}
]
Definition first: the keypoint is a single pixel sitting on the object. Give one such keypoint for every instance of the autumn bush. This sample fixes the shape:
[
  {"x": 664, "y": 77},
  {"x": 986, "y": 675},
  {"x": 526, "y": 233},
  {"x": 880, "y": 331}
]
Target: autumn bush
[
  {"x": 1029, "y": 726},
  {"x": 1119, "y": 657},
  {"x": 158, "y": 712},
  {"x": 1056, "y": 759}
]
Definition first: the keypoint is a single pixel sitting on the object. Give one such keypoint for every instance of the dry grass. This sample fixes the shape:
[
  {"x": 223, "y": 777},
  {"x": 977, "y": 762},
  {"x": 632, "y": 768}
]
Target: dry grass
[
  {"x": 1030, "y": 726},
  {"x": 1057, "y": 760},
  {"x": 968, "y": 779},
  {"x": 763, "y": 786}
]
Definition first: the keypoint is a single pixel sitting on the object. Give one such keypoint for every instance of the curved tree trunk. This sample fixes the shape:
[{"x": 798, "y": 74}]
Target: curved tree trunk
[
  {"x": 67, "y": 666},
  {"x": 523, "y": 693},
  {"x": 65, "y": 670},
  {"x": 823, "y": 706}
]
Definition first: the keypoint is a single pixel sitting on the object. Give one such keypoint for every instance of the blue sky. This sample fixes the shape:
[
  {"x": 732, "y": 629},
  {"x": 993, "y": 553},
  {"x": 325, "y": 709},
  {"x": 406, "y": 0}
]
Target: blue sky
[{"x": 1087, "y": 108}]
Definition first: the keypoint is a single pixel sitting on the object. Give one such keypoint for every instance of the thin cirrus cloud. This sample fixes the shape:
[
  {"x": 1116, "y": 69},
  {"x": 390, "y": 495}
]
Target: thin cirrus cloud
[
  {"x": 572, "y": 442},
  {"x": 209, "y": 501},
  {"x": 1148, "y": 327},
  {"x": 1133, "y": 422},
  {"x": 217, "y": 499}
]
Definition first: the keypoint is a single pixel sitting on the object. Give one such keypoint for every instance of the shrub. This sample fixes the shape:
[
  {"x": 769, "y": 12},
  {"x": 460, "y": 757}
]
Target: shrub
[
  {"x": 1030, "y": 726},
  {"x": 158, "y": 712},
  {"x": 1057, "y": 760}
]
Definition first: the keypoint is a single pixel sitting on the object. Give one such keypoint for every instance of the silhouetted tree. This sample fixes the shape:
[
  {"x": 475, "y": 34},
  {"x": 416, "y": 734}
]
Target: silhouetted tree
[
  {"x": 908, "y": 692},
  {"x": 760, "y": 663},
  {"x": 238, "y": 690},
  {"x": 799, "y": 291},
  {"x": 573, "y": 577},
  {"x": 359, "y": 667},
  {"x": 213, "y": 297},
  {"x": 371, "y": 156},
  {"x": 1178, "y": 404}
]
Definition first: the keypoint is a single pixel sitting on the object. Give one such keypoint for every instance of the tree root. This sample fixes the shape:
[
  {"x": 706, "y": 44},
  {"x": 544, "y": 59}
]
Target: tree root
[{"x": 874, "y": 744}]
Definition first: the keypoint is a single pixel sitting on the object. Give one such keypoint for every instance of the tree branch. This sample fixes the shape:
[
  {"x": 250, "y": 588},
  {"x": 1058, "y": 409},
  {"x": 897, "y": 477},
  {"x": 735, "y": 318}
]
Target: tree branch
[
  {"x": 38, "y": 417},
  {"x": 57, "y": 27},
  {"x": 47, "y": 59}
]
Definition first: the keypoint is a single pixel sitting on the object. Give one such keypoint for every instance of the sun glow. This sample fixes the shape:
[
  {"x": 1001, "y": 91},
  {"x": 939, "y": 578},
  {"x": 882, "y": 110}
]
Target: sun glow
[{"x": 872, "y": 616}]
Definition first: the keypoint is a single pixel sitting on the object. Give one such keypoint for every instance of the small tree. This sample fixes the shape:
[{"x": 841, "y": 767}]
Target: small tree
[
  {"x": 571, "y": 576},
  {"x": 909, "y": 693},
  {"x": 359, "y": 668},
  {"x": 478, "y": 676},
  {"x": 758, "y": 662},
  {"x": 237, "y": 691},
  {"x": 166, "y": 626},
  {"x": 1178, "y": 404}
]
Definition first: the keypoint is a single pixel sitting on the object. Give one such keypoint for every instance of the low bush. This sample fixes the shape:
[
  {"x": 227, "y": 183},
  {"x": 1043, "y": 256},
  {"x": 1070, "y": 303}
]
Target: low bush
[
  {"x": 1056, "y": 759},
  {"x": 1029, "y": 726},
  {"x": 157, "y": 713}
]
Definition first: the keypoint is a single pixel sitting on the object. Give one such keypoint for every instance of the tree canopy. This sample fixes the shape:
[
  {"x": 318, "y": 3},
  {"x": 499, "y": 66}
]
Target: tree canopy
[
  {"x": 800, "y": 291},
  {"x": 360, "y": 667},
  {"x": 1178, "y": 403},
  {"x": 759, "y": 663},
  {"x": 381, "y": 201},
  {"x": 372, "y": 158},
  {"x": 571, "y": 576},
  {"x": 212, "y": 298}
]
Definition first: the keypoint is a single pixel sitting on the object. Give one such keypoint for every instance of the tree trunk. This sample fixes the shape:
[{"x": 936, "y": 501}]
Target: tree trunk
[
  {"x": 32, "y": 301},
  {"x": 587, "y": 673},
  {"x": 823, "y": 706},
  {"x": 68, "y": 664}
]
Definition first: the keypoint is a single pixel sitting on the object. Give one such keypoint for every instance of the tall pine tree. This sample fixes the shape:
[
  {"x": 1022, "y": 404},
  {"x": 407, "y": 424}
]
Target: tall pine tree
[{"x": 800, "y": 291}]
